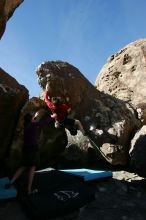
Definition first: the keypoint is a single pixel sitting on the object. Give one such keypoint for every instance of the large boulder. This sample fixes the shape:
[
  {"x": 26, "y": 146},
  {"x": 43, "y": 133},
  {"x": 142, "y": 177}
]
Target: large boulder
[
  {"x": 109, "y": 122},
  {"x": 12, "y": 98},
  {"x": 123, "y": 76},
  {"x": 7, "y": 8}
]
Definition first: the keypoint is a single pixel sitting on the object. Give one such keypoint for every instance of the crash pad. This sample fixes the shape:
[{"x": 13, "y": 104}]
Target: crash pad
[
  {"x": 6, "y": 193},
  {"x": 59, "y": 193},
  {"x": 89, "y": 174}
]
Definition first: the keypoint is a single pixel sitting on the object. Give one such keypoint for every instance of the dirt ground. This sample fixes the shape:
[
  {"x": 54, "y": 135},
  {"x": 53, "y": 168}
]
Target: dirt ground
[{"x": 121, "y": 197}]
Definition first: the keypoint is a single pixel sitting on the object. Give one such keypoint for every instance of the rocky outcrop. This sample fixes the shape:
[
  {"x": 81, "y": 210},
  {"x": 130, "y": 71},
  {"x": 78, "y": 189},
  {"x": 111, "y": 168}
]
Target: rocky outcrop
[
  {"x": 12, "y": 95},
  {"x": 12, "y": 98},
  {"x": 7, "y": 8},
  {"x": 123, "y": 76},
  {"x": 109, "y": 122}
]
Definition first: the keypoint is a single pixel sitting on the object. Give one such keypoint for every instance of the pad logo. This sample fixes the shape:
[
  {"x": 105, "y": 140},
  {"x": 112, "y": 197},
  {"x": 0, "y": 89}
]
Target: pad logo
[{"x": 66, "y": 195}]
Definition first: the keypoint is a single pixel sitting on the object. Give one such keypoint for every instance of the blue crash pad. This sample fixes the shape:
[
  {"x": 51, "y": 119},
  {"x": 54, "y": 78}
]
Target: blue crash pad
[
  {"x": 88, "y": 174},
  {"x": 6, "y": 193}
]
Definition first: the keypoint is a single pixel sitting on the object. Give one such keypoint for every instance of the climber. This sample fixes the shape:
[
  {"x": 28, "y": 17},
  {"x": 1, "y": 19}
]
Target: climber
[
  {"x": 30, "y": 152},
  {"x": 60, "y": 110}
]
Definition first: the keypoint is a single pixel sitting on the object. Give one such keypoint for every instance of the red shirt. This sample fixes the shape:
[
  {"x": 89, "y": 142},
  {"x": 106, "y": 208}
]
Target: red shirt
[{"x": 61, "y": 110}]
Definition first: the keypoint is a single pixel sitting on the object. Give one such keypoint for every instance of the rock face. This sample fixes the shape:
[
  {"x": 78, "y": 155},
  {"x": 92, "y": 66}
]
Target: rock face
[
  {"x": 7, "y": 8},
  {"x": 123, "y": 76},
  {"x": 108, "y": 121},
  {"x": 12, "y": 97}
]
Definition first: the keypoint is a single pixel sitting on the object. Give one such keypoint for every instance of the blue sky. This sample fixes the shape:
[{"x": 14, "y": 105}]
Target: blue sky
[{"x": 82, "y": 32}]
